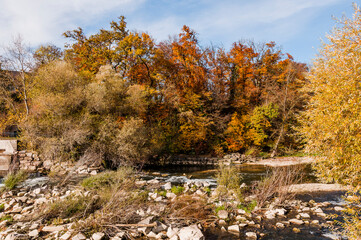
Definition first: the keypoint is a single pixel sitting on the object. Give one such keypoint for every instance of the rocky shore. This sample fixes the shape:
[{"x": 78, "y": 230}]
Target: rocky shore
[{"x": 22, "y": 207}]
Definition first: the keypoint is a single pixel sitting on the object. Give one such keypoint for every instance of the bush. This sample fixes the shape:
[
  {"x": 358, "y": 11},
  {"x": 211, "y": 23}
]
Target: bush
[
  {"x": 177, "y": 189},
  {"x": 13, "y": 179},
  {"x": 109, "y": 179},
  {"x": 72, "y": 206},
  {"x": 277, "y": 185},
  {"x": 229, "y": 182}
]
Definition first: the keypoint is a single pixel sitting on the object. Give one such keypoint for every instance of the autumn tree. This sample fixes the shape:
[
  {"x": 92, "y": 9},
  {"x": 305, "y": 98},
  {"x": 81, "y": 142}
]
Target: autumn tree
[
  {"x": 332, "y": 120},
  {"x": 332, "y": 126}
]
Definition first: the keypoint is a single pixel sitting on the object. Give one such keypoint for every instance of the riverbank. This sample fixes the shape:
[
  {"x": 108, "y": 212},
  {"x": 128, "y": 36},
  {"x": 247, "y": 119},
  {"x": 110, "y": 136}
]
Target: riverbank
[{"x": 189, "y": 210}]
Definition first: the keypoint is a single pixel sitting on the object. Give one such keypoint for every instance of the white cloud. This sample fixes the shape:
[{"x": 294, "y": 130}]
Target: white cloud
[{"x": 41, "y": 21}]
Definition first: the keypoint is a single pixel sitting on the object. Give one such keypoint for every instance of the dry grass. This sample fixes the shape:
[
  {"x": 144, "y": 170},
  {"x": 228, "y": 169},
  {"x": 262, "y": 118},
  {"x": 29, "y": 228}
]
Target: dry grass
[
  {"x": 277, "y": 185},
  {"x": 190, "y": 208}
]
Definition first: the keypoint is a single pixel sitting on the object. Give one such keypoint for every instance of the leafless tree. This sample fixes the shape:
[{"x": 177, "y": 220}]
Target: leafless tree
[{"x": 18, "y": 62}]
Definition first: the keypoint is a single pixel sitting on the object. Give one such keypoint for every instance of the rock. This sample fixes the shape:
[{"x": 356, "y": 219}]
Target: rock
[
  {"x": 37, "y": 190},
  {"x": 98, "y": 236},
  {"x": 296, "y": 221},
  {"x": 34, "y": 226},
  {"x": 153, "y": 181},
  {"x": 66, "y": 236},
  {"x": 280, "y": 211},
  {"x": 16, "y": 236},
  {"x": 322, "y": 215},
  {"x": 199, "y": 192},
  {"x": 315, "y": 222},
  {"x": 280, "y": 225},
  {"x": 171, "y": 232},
  {"x": 27, "y": 209},
  {"x": 240, "y": 218},
  {"x": 304, "y": 215},
  {"x": 241, "y": 211},
  {"x": 339, "y": 209},
  {"x": 222, "y": 222},
  {"x": 141, "y": 182},
  {"x": 167, "y": 186},
  {"x": 53, "y": 228},
  {"x": 234, "y": 229},
  {"x": 251, "y": 235},
  {"x": 151, "y": 235},
  {"x": 318, "y": 210},
  {"x": 34, "y": 233},
  {"x": 222, "y": 214},
  {"x": 145, "y": 230},
  {"x": 171, "y": 195},
  {"x": 191, "y": 233},
  {"x": 296, "y": 230},
  {"x": 159, "y": 227},
  {"x": 79, "y": 236},
  {"x": 175, "y": 237},
  {"x": 242, "y": 225}
]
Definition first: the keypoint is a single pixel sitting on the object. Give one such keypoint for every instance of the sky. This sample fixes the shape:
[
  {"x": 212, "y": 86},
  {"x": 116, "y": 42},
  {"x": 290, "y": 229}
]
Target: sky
[{"x": 297, "y": 26}]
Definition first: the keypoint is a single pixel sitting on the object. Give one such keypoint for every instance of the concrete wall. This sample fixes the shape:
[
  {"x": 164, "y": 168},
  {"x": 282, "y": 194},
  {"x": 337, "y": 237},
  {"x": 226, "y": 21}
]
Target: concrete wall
[
  {"x": 10, "y": 146},
  {"x": 5, "y": 162}
]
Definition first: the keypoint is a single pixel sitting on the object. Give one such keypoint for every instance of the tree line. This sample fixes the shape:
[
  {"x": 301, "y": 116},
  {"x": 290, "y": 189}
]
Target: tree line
[{"x": 118, "y": 96}]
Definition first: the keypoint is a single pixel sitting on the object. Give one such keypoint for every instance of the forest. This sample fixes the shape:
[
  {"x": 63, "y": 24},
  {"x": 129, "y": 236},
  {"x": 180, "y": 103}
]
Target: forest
[{"x": 120, "y": 95}]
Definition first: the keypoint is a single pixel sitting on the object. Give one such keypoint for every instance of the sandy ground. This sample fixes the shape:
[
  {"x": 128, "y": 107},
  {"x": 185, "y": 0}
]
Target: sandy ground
[
  {"x": 317, "y": 187},
  {"x": 283, "y": 161}
]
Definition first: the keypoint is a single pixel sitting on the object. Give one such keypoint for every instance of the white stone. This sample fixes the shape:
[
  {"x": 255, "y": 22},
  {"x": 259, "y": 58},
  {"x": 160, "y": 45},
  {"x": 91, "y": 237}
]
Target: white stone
[
  {"x": 296, "y": 221},
  {"x": 151, "y": 235},
  {"x": 315, "y": 222},
  {"x": 338, "y": 208},
  {"x": 233, "y": 229},
  {"x": 65, "y": 236},
  {"x": 242, "y": 225},
  {"x": 222, "y": 214},
  {"x": 280, "y": 225},
  {"x": 318, "y": 210},
  {"x": 79, "y": 236},
  {"x": 53, "y": 228},
  {"x": 304, "y": 215},
  {"x": 191, "y": 233},
  {"x": 167, "y": 186},
  {"x": 34, "y": 233},
  {"x": 251, "y": 235},
  {"x": 171, "y": 195},
  {"x": 241, "y": 211},
  {"x": 98, "y": 236},
  {"x": 171, "y": 232}
]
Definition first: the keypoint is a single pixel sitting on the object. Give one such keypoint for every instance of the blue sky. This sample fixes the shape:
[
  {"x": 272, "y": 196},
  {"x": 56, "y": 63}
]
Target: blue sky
[{"x": 295, "y": 25}]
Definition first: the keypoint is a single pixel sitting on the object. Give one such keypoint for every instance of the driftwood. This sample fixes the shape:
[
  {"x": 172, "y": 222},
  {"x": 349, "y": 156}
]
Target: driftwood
[{"x": 133, "y": 225}]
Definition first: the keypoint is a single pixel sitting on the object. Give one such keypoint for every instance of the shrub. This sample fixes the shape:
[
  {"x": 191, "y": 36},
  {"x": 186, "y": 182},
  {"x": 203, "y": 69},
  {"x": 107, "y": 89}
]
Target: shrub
[
  {"x": 72, "y": 206},
  {"x": 13, "y": 179},
  {"x": 278, "y": 184},
  {"x": 109, "y": 179},
  {"x": 229, "y": 182},
  {"x": 248, "y": 207},
  {"x": 190, "y": 208},
  {"x": 177, "y": 189}
]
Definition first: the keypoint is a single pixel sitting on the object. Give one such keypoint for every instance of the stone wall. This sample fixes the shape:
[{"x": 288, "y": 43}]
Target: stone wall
[{"x": 28, "y": 161}]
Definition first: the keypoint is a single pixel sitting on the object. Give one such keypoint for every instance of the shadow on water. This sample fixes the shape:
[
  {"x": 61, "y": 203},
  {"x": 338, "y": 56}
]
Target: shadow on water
[{"x": 249, "y": 173}]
